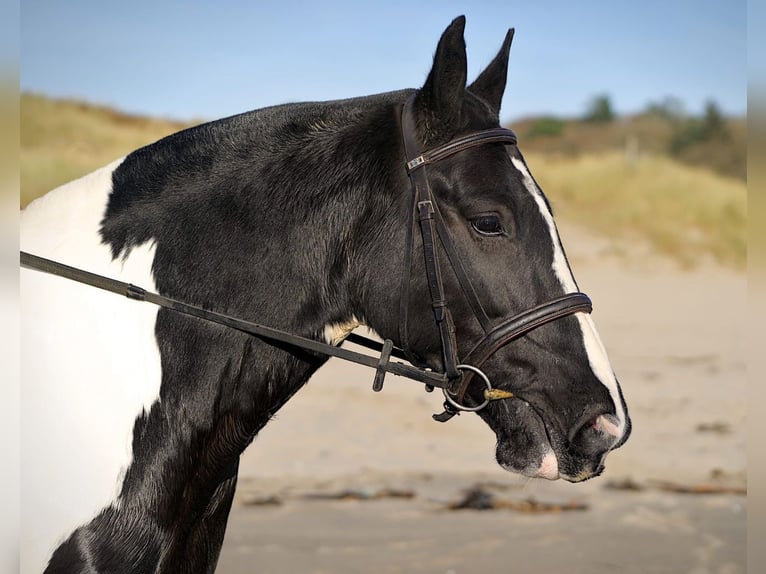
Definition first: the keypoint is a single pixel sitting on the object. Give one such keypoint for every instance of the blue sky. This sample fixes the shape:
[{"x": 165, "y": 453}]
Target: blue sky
[{"x": 194, "y": 59}]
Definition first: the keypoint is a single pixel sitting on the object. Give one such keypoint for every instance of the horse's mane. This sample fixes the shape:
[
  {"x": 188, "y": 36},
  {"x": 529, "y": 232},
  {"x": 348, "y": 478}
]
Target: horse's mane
[{"x": 241, "y": 159}]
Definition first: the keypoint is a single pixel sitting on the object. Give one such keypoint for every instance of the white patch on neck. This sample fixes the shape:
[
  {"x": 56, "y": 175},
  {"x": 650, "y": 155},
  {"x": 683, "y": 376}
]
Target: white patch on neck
[
  {"x": 89, "y": 366},
  {"x": 597, "y": 357},
  {"x": 335, "y": 333}
]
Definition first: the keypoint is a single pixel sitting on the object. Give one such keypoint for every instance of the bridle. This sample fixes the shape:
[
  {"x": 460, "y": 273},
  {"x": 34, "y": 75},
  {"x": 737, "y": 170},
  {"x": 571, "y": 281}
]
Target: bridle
[
  {"x": 457, "y": 375},
  {"x": 496, "y": 333}
]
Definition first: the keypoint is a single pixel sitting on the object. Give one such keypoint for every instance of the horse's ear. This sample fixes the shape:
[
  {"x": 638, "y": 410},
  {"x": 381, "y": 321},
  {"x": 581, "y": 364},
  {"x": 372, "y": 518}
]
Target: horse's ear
[
  {"x": 490, "y": 84},
  {"x": 441, "y": 98}
]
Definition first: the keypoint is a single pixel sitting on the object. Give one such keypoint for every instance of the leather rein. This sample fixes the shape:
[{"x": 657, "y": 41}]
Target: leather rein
[{"x": 457, "y": 375}]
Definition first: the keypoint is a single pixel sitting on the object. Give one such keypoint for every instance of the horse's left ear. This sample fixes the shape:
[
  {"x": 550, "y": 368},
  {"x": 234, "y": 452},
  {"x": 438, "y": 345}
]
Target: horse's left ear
[
  {"x": 490, "y": 84},
  {"x": 440, "y": 100}
]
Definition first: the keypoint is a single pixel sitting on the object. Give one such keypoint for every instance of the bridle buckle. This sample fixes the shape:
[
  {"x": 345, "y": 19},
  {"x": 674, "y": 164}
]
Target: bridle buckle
[{"x": 452, "y": 407}]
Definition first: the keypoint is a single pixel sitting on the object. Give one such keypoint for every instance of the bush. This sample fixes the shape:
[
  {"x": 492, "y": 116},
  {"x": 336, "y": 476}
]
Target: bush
[
  {"x": 694, "y": 131},
  {"x": 546, "y": 126},
  {"x": 670, "y": 108},
  {"x": 599, "y": 110}
]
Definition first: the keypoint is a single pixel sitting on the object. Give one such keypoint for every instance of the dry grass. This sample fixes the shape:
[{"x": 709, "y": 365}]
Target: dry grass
[
  {"x": 64, "y": 140},
  {"x": 685, "y": 212}
]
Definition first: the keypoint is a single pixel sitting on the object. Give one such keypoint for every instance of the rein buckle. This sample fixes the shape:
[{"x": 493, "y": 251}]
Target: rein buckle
[
  {"x": 380, "y": 372},
  {"x": 446, "y": 414}
]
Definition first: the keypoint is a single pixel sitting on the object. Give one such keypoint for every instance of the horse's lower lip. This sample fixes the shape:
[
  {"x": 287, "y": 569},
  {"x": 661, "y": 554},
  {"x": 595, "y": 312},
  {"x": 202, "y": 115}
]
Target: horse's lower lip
[
  {"x": 549, "y": 467},
  {"x": 555, "y": 463},
  {"x": 584, "y": 475}
]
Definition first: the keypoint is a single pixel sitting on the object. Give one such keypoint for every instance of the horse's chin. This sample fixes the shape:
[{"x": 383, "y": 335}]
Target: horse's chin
[
  {"x": 544, "y": 466},
  {"x": 523, "y": 446},
  {"x": 541, "y": 461}
]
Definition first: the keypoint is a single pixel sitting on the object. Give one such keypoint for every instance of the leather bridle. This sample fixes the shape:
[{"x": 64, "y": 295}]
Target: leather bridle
[
  {"x": 457, "y": 375},
  {"x": 497, "y": 333}
]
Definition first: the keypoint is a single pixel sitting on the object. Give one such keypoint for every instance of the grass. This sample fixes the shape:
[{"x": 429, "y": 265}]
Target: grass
[
  {"x": 684, "y": 211},
  {"x": 725, "y": 153},
  {"x": 63, "y": 140}
]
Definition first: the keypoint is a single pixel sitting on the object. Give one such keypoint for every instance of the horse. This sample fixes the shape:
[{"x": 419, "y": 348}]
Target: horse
[{"x": 410, "y": 212}]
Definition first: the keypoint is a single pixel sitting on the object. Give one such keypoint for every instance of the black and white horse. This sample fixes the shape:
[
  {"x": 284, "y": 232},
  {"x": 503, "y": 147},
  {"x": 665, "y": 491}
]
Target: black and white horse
[{"x": 296, "y": 217}]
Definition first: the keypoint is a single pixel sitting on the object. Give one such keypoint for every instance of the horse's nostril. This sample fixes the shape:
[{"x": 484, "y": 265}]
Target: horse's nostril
[
  {"x": 609, "y": 424},
  {"x": 595, "y": 435}
]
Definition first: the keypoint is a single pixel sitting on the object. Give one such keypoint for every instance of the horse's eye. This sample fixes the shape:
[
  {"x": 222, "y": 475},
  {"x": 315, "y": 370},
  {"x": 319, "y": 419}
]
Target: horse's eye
[{"x": 489, "y": 224}]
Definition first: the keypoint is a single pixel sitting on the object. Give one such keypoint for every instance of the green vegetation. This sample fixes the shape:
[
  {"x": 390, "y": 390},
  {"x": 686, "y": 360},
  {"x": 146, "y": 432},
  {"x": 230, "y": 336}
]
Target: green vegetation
[
  {"x": 546, "y": 126},
  {"x": 599, "y": 110},
  {"x": 711, "y": 142},
  {"x": 692, "y": 131},
  {"x": 614, "y": 177}
]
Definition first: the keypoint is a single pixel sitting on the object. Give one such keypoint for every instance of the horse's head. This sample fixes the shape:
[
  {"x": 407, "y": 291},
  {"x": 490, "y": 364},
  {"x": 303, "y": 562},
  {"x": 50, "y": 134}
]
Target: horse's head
[{"x": 567, "y": 410}]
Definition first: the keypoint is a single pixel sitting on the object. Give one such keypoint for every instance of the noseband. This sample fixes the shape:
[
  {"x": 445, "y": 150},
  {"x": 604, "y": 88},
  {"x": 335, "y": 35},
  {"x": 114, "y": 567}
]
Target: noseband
[{"x": 497, "y": 334}]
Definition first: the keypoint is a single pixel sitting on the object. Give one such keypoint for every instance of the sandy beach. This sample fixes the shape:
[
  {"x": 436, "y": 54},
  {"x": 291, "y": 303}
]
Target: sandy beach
[{"x": 346, "y": 480}]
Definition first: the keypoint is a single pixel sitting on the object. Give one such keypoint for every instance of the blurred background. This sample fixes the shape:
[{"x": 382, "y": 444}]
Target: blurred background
[
  {"x": 632, "y": 118},
  {"x": 598, "y": 92}
]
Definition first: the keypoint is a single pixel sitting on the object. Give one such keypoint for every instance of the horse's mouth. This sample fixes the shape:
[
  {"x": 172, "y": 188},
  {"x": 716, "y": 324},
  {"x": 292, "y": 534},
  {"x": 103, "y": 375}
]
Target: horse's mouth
[
  {"x": 523, "y": 444},
  {"x": 528, "y": 449},
  {"x": 549, "y": 470},
  {"x": 547, "y": 466}
]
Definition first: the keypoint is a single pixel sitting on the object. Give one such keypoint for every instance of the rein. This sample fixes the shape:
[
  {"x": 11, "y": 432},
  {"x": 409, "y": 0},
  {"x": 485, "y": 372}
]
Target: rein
[
  {"x": 381, "y": 364},
  {"x": 457, "y": 375}
]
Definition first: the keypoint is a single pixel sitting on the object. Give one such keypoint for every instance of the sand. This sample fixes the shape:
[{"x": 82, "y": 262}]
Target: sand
[{"x": 677, "y": 343}]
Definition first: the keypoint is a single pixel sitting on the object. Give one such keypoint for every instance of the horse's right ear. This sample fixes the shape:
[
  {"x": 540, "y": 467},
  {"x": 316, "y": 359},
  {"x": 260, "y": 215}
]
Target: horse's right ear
[
  {"x": 490, "y": 84},
  {"x": 440, "y": 100}
]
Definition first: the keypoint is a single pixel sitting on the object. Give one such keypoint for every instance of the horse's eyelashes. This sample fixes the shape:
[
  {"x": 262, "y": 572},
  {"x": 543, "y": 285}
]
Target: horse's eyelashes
[{"x": 488, "y": 224}]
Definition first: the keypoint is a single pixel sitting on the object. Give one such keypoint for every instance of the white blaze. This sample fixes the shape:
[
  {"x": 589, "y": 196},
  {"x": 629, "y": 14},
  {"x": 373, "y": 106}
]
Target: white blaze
[
  {"x": 597, "y": 357},
  {"x": 89, "y": 366}
]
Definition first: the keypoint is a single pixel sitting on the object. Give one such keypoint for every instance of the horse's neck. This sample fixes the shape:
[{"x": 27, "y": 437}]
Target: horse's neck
[
  {"x": 177, "y": 493},
  {"x": 268, "y": 238}
]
